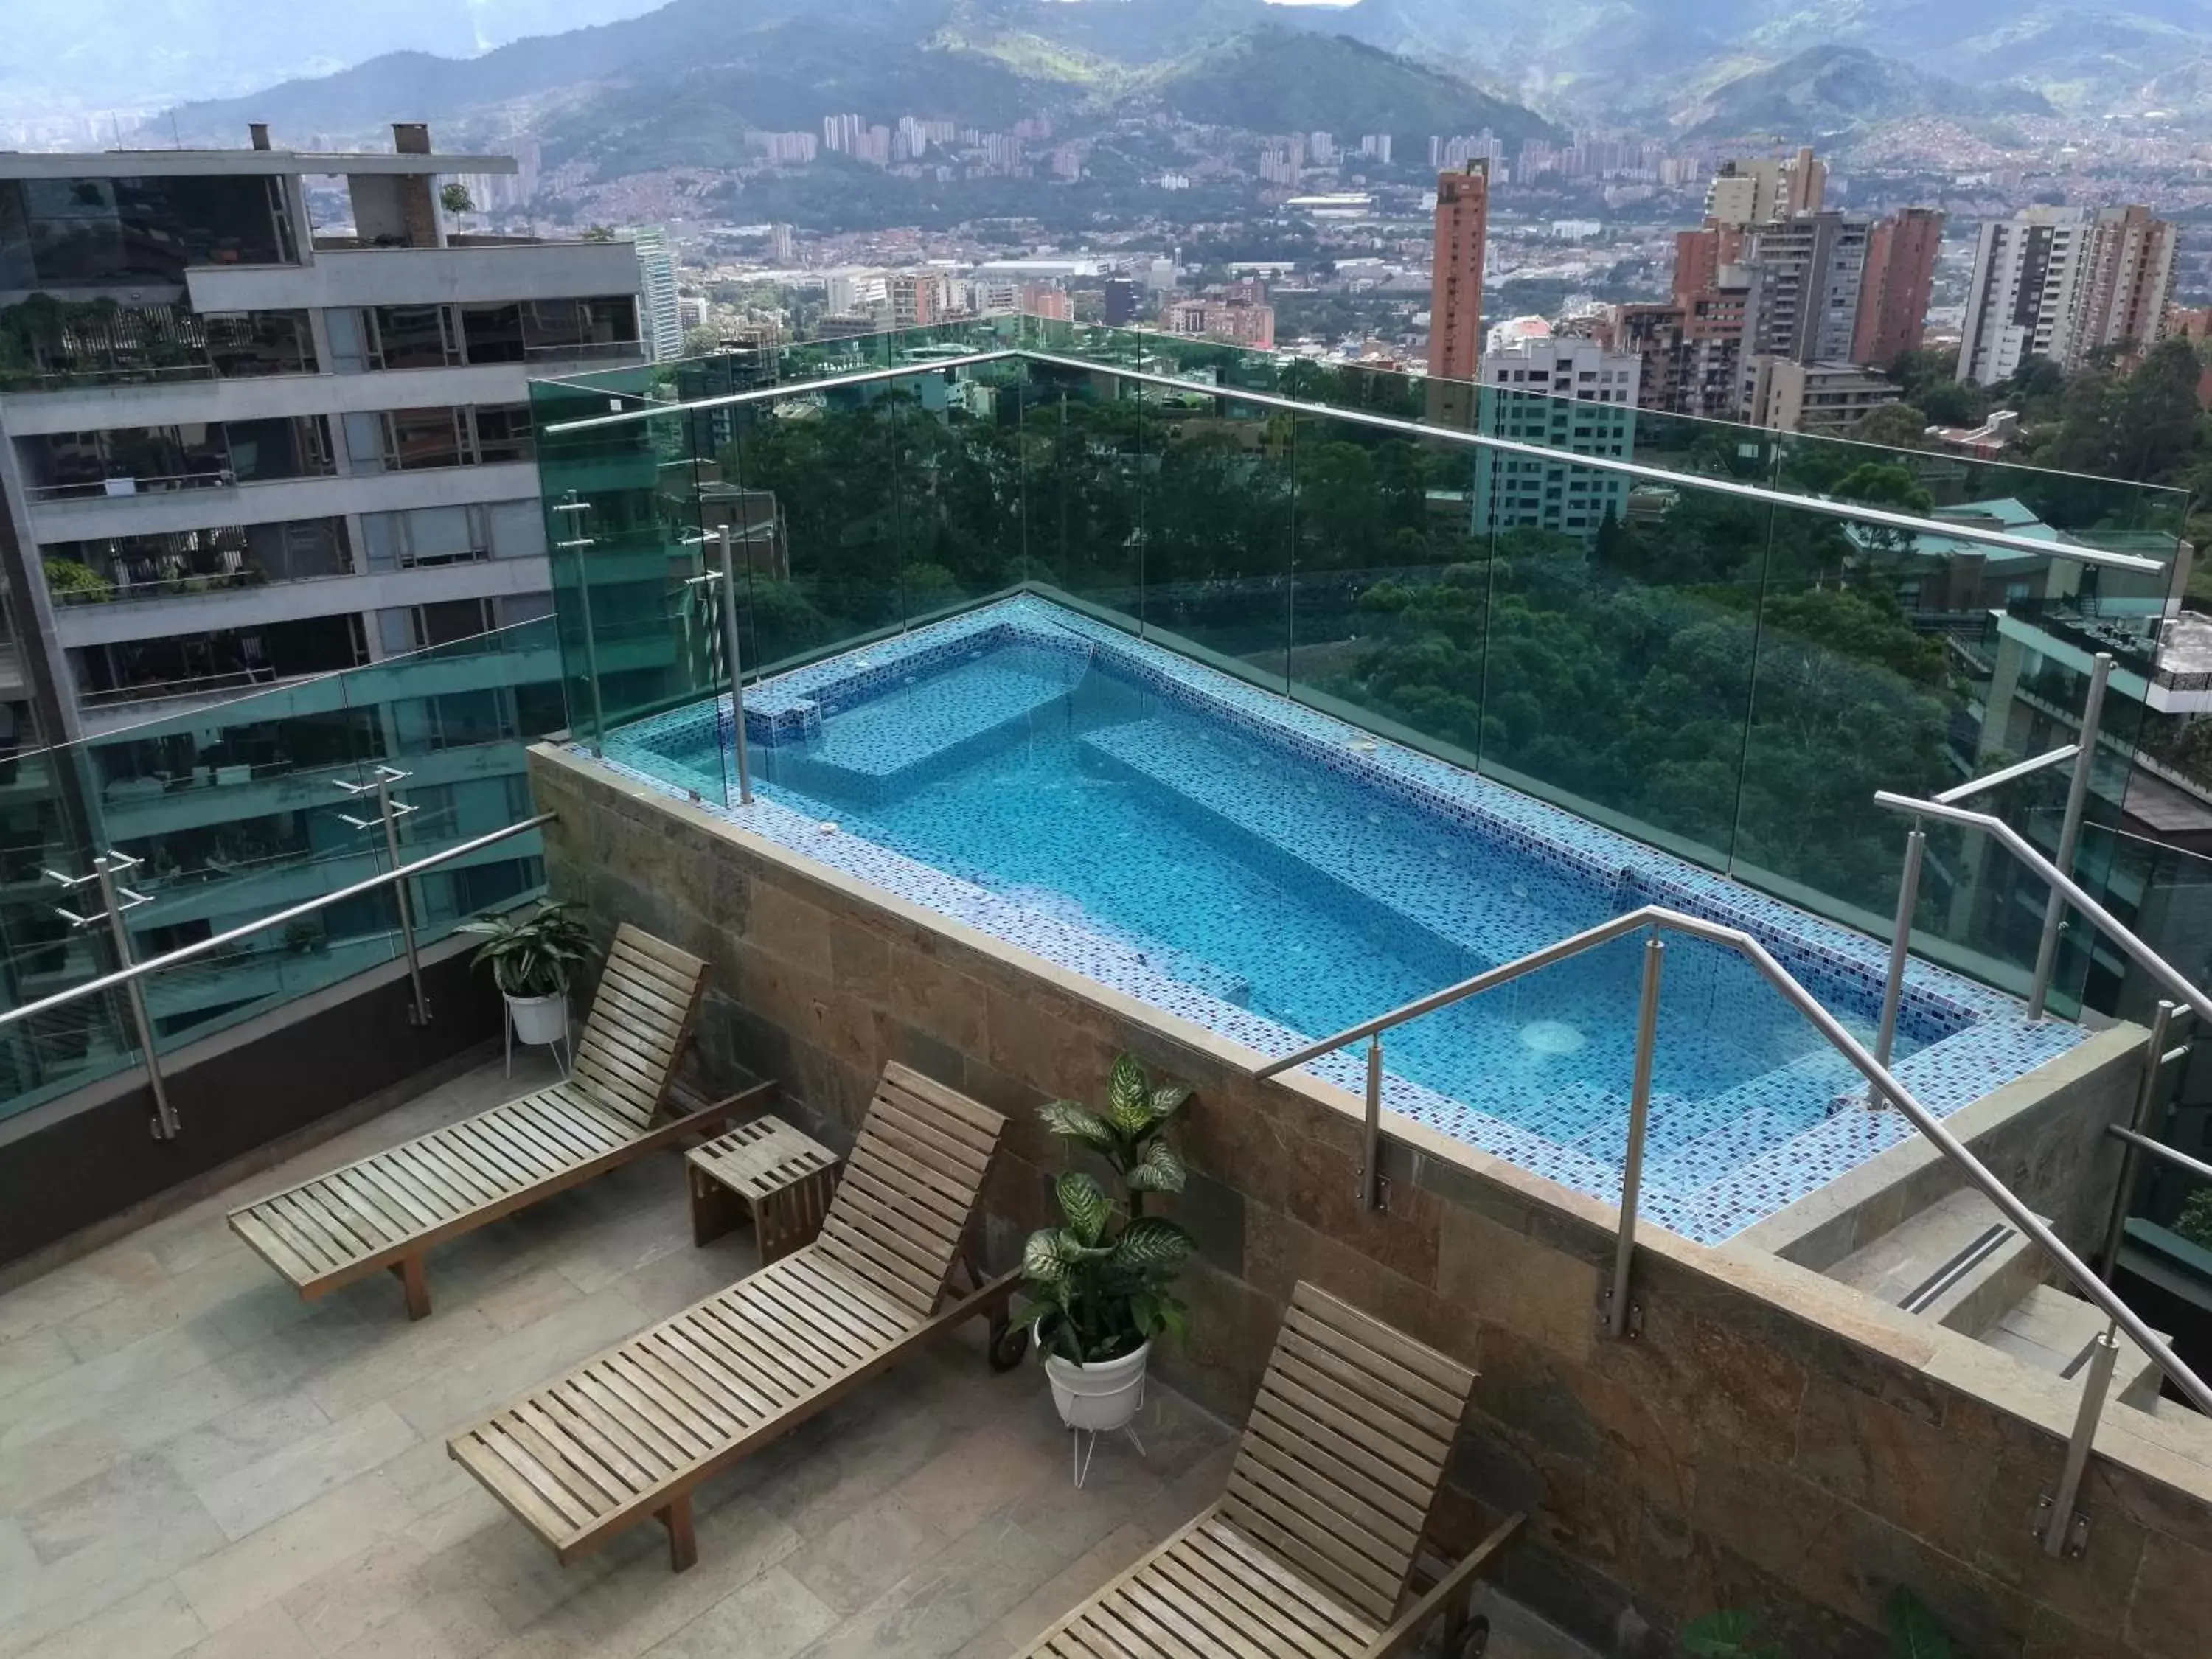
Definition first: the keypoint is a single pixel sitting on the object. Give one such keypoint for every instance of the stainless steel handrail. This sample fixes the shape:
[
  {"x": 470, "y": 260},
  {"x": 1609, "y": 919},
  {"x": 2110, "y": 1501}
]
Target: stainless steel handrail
[
  {"x": 2013, "y": 773},
  {"x": 1855, "y": 512},
  {"x": 2159, "y": 1149},
  {"x": 649, "y": 410},
  {"x": 2168, "y": 977},
  {"x": 1883, "y": 1082},
  {"x": 275, "y": 919}
]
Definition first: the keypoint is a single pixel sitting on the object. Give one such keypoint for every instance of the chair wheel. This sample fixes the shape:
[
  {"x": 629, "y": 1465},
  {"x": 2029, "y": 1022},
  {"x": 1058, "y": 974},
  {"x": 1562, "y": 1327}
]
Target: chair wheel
[
  {"x": 1473, "y": 1640},
  {"x": 1009, "y": 1344}
]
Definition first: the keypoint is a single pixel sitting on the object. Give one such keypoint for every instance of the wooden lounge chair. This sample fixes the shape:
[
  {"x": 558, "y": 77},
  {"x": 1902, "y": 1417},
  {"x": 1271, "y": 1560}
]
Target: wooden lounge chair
[
  {"x": 1311, "y": 1550},
  {"x": 632, "y": 1432},
  {"x": 385, "y": 1212}
]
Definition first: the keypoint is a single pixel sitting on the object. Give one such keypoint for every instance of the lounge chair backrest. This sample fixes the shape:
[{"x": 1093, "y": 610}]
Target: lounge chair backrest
[
  {"x": 634, "y": 1034},
  {"x": 1344, "y": 1452},
  {"x": 909, "y": 1187}
]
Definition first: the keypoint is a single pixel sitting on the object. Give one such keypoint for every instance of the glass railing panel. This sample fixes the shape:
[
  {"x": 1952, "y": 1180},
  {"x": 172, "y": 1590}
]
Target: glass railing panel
[
  {"x": 1391, "y": 590},
  {"x": 1622, "y": 635},
  {"x": 1218, "y": 505},
  {"x": 1084, "y": 465},
  {"x": 1852, "y": 697},
  {"x": 956, "y": 462}
]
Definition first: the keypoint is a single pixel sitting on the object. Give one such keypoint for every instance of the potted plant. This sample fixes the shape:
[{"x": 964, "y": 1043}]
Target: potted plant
[
  {"x": 531, "y": 958},
  {"x": 1101, "y": 1285}
]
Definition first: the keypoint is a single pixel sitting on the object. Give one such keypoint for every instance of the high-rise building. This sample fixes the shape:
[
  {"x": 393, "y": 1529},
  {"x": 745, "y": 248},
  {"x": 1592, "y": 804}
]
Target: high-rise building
[
  {"x": 1566, "y": 393},
  {"x": 1807, "y": 274},
  {"x": 2020, "y": 303},
  {"x": 916, "y": 300},
  {"x": 1900, "y": 276},
  {"x": 2127, "y": 278},
  {"x": 336, "y": 464},
  {"x": 782, "y": 245},
  {"x": 1120, "y": 302},
  {"x": 2066, "y": 284},
  {"x": 656, "y": 280},
  {"x": 1463, "y": 225},
  {"x": 1375, "y": 146},
  {"x": 1761, "y": 191}
]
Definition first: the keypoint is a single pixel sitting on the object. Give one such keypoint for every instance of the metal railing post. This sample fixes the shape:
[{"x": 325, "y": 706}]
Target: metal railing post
[
  {"x": 2064, "y": 1531},
  {"x": 2138, "y": 1120},
  {"x": 1900, "y": 948},
  {"x": 577, "y": 544},
  {"x": 2069, "y": 833},
  {"x": 1618, "y": 1313},
  {"x": 731, "y": 649},
  {"x": 114, "y": 900},
  {"x": 1370, "y": 1157},
  {"x": 388, "y": 814}
]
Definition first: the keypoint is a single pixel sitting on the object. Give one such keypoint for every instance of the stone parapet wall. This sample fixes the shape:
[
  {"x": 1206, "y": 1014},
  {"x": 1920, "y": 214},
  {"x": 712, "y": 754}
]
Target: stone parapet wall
[{"x": 1773, "y": 1440}]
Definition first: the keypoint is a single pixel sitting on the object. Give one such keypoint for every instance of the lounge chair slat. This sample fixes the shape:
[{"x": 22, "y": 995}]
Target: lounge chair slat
[
  {"x": 663, "y": 1411},
  {"x": 1310, "y": 1551},
  {"x": 388, "y": 1208}
]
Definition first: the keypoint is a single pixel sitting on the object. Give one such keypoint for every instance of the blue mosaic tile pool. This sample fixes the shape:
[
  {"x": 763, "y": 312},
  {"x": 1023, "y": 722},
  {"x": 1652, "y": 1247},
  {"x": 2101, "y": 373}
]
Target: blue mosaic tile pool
[{"x": 1274, "y": 874}]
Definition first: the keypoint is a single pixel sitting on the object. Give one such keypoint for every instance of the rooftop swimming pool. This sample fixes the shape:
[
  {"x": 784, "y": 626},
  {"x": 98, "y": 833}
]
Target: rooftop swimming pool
[{"x": 1275, "y": 875}]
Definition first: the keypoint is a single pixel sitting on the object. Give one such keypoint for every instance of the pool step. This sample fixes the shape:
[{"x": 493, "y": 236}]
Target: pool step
[
  {"x": 1958, "y": 1263},
  {"x": 2054, "y": 1331}
]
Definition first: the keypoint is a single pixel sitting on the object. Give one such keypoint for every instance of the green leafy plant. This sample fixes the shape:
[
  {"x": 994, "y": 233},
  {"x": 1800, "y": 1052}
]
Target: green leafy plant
[
  {"x": 73, "y": 583},
  {"x": 1914, "y": 1632},
  {"x": 2194, "y": 1221},
  {"x": 1101, "y": 1285},
  {"x": 455, "y": 199},
  {"x": 532, "y": 955}
]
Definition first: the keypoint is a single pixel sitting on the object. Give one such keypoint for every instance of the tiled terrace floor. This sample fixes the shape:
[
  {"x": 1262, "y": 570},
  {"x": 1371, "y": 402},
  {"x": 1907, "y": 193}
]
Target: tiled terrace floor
[{"x": 192, "y": 1461}]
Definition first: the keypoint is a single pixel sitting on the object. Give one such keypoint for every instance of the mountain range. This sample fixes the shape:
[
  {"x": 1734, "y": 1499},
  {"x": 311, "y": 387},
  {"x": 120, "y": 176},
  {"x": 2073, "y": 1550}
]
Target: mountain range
[
  {"x": 680, "y": 85},
  {"x": 1796, "y": 70}
]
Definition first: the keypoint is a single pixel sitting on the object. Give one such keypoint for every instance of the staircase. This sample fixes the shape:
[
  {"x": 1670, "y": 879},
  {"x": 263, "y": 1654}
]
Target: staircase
[{"x": 1961, "y": 1265}]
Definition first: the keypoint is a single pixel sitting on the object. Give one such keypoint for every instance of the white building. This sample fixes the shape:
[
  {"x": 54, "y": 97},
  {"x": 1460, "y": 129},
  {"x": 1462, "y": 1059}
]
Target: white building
[
  {"x": 2028, "y": 274},
  {"x": 333, "y": 462},
  {"x": 656, "y": 283},
  {"x": 2064, "y": 283},
  {"x": 1562, "y": 393}
]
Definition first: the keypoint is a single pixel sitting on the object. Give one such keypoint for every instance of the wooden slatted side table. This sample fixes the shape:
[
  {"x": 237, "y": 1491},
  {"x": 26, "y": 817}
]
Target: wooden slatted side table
[{"x": 766, "y": 1169}]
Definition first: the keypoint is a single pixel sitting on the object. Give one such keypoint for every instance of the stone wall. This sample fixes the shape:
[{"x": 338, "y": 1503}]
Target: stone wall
[{"x": 1771, "y": 1440}]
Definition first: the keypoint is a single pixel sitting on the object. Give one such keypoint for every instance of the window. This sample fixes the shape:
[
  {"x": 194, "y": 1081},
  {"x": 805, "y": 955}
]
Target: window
[
  {"x": 411, "y": 337},
  {"x": 492, "y": 333},
  {"x": 502, "y": 432},
  {"x": 113, "y": 233}
]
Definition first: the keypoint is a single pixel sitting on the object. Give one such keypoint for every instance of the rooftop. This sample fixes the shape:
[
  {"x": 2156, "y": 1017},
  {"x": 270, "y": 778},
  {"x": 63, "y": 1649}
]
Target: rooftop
[{"x": 195, "y": 1462}]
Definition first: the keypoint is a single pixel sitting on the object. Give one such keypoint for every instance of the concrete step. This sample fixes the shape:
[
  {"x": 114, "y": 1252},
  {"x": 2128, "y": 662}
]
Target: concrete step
[
  {"x": 2053, "y": 1330},
  {"x": 1957, "y": 1262}
]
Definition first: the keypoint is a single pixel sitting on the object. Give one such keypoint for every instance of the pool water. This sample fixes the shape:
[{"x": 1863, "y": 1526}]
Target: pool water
[{"x": 1090, "y": 796}]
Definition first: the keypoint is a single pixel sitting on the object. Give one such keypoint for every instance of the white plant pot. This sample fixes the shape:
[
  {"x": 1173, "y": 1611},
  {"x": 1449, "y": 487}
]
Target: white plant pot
[
  {"x": 539, "y": 1019},
  {"x": 1100, "y": 1397}
]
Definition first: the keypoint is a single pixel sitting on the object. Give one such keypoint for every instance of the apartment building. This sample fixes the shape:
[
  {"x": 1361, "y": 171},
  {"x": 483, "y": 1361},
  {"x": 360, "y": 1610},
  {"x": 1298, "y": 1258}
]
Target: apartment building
[
  {"x": 1827, "y": 398},
  {"x": 1462, "y": 243},
  {"x": 1900, "y": 279},
  {"x": 2065, "y": 283},
  {"x": 1567, "y": 393},
  {"x": 239, "y": 450}
]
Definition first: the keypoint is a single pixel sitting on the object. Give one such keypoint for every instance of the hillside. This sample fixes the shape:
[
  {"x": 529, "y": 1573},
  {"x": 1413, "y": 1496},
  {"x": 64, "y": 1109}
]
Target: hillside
[
  {"x": 683, "y": 85},
  {"x": 1272, "y": 79},
  {"x": 1829, "y": 90},
  {"x": 1644, "y": 55}
]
